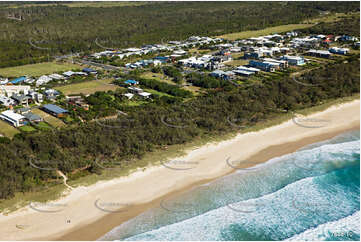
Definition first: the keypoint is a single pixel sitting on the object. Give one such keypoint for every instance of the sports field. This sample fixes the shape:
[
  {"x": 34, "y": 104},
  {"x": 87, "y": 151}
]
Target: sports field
[
  {"x": 37, "y": 69},
  {"x": 7, "y": 130},
  {"x": 88, "y": 87}
]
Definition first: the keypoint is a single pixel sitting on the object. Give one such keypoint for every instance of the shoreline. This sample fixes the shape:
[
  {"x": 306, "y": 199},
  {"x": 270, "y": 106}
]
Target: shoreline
[{"x": 157, "y": 183}]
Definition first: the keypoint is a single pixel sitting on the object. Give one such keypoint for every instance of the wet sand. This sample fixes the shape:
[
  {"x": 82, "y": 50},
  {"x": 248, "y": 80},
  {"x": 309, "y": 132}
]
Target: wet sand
[{"x": 144, "y": 190}]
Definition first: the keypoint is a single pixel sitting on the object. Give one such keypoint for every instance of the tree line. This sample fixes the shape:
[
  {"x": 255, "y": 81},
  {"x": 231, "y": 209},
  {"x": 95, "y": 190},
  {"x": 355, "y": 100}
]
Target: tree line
[
  {"x": 152, "y": 126},
  {"x": 58, "y": 29}
]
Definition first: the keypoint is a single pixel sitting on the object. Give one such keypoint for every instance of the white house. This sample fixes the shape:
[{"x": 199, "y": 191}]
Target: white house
[
  {"x": 43, "y": 80},
  {"x": 14, "y": 118},
  {"x": 9, "y": 90},
  {"x": 129, "y": 95},
  {"x": 6, "y": 101},
  {"x": 144, "y": 94}
]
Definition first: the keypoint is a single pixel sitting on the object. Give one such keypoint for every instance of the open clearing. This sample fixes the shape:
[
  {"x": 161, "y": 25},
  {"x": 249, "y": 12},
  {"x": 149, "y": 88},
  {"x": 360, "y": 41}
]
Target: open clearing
[
  {"x": 327, "y": 18},
  {"x": 37, "y": 69},
  {"x": 239, "y": 62},
  {"x": 48, "y": 118},
  {"x": 266, "y": 31},
  {"x": 88, "y": 87},
  {"x": 7, "y": 130},
  {"x": 157, "y": 76}
]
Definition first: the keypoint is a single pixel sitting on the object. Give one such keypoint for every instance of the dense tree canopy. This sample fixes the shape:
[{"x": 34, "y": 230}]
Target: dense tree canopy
[
  {"x": 151, "y": 126},
  {"x": 59, "y": 29}
]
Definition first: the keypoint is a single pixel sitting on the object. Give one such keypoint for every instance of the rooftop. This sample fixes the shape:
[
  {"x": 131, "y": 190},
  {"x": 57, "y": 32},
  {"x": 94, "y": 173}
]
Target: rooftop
[{"x": 55, "y": 109}]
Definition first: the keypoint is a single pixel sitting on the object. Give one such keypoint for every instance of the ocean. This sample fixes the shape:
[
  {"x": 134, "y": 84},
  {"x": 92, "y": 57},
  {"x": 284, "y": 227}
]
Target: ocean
[{"x": 311, "y": 194}]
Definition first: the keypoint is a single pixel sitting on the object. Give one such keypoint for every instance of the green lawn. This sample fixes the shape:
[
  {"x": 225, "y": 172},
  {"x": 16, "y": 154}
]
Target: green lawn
[
  {"x": 27, "y": 128},
  {"x": 55, "y": 122},
  {"x": 157, "y": 93},
  {"x": 157, "y": 76},
  {"x": 7, "y": 130},
  {"x": 133, "y": 103},
  {"x": 37, "y": 69},
  {"x": 88, "y": 87},
  {"x": 43, "y": 126},
  {"x": 237, "y": 62},
  {"x": 266, "y": 31}
]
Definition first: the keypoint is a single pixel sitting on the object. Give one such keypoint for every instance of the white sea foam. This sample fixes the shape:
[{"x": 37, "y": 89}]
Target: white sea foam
[
  {"x": 279, "y": 211},
  {"x": 343, "y": 228}
]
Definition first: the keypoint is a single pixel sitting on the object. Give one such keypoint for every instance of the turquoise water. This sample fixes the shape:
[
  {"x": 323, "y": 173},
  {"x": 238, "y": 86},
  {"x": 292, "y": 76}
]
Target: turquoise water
[{"x": 311, "y": 194}]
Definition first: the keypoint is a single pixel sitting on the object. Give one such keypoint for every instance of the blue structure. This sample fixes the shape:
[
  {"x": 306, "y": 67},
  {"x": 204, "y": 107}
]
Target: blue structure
[
  {"x": 54, "y": 110},
  {"x": 89, "y": 70},
  {"x": 131, "y": 82},
  {"x": 264, "y": 66},
  {"x": 18, "y": 80},
  {"x": 163, "y": 59}
]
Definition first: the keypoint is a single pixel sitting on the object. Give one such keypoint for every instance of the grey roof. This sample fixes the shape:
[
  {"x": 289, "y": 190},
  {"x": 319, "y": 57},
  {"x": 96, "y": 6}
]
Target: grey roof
[
  {"x": 20, "y": 97},
  {"x": 31, "y": 116},
  {"x": 23, "y": 110},
  {"x": 55, "y": 109}
]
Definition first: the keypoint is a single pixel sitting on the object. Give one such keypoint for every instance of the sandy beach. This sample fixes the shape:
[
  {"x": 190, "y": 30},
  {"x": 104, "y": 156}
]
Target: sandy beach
[{"x": 87, "y": 213}]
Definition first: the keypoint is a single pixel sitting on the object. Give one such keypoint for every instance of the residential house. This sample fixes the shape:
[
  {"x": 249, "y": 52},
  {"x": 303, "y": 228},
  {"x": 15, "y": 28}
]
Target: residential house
[
  {"x": 144, "y": 95},
  {"x": 340, "y": 51},
  {"x": 243, "y": 73},
  {"x": 131, "y": 82},
  {"x": 15, "y": 119},
  {"x": 77, "y": 101},
  {"x": 18, "y": 80},
  {"x": 56, "y": 76},
  {"x": 294, "y": 60},
  {"x": 43, "y": 80},
  {"x": 36, "y": 96},
  {"x": 282, "y": 63},
  {"x": 135, "y": 90},
  {"x": 9, "y": 90},
  {"x": 319, "y": 53},
  {"x": 129, "y": 95},
  {"x": 217, "y": 73},
  {"x": 262, "y": 65},
  {"x": 21, "y": 99},
  {"x": 4, "y": 81},
  {"x": 26, "y": 112},
  {"x": 51, "y": 94},
  {"x": 6, "y": 101},
  {"x": 248, "y": 69},
  {"x": 90, "y": 71},
  {"x": 33, "y": 118}
]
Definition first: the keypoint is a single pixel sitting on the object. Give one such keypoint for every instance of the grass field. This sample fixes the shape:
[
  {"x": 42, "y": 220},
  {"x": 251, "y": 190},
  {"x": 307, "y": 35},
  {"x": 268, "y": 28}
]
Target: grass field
[
  {"x": 43, "y": 126},
  {"x": 157, "y": 76},
  {"x": 27, "y": 128},
  {"x": 88, "y": 87},
  {"x": 7, "y": 130},
  {"x": 330, "y": 18},
  {"x": 37, "y": 69},
  {"x": 237, "y": 62},
  {"x": 266, "y": 31},
  {"x": 48, "y": 118},
  {"x": 157, "y": 93}
]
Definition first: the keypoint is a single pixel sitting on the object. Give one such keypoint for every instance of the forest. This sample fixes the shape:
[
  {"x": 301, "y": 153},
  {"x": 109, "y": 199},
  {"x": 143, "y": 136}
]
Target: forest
[
  {"x": 346, "y": 26},
  {"x": 153, "y": 126},
  {"x": 35, "y": 33}
]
